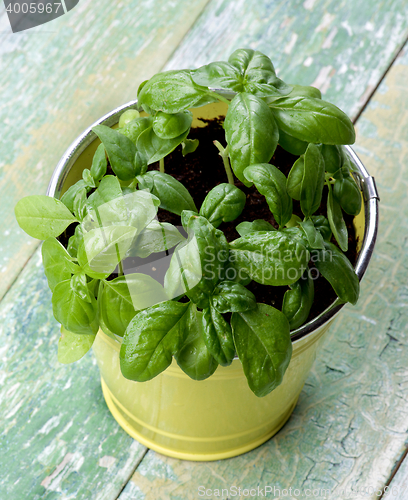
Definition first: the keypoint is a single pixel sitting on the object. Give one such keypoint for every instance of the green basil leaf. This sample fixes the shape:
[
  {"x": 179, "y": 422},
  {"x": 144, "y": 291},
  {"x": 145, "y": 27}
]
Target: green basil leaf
[
  {"x": 93, "y": 287},
  {"x": 173, "y": 196},
  {"x": 133, "y": 129},
  {"x": 296, "y": 234},
  {"x": 338, "y": 271},
  {"x": 294, "y": 221},
  {"x": 332, "y": 158},
  {"x": 141, "y": 209},
  {"x": 298, "y": 301},
  {"x": 153, "y": 336},
  {"x": 80, "y": 286},
  {"x": 74, "y": 241},
  {"x": 219, "y": 74},
  {"x": 128, "y": 116},
  {"x": 298, "y": 91},
  {"x": 229, "y": 296},
  {"x": 206, "y": 99},
  {"x": 153, "y": 148},
  {"x": 313, "y": 180},
  {"x": 121, "y": 151},
  {"x": 271, "y": 182},
  {"x": 156, "y": 237},
  {"x": 109, "y": 189},
  {"x": 74, "y": 314},
  {"x": 106, "y": 205},
  {"x": 102, "y": 248},
  {"x": 189, "y": 146},
  {"x": 233, "y": 272},
  {"x": 99, "y": 163},
  {"x": 305, "y": 91},
  {"x": 252, "y": 65},
  {"x": 245, "y": 228},
  {"x": 186, "y": 216},
  {"x": 141, "y": 87},
  {"x": 347, "y": 163},
  {"x": 314, "y": 238},
  {"x": 224, "y": 203},
  {"x": 251, "y": 133},
  {"x": 213, "y": 252},
  {"x": 88, "y": 179},
  {"x": 80, "y": 204},
  {"x": 322, "y": 225},
  {"x": 267, "y": 90},
  {"x": 198, "y": 264},
  {"x": 171, "y": 92},
  {"x": 217, "y": 336},
  {"x": 69, "y": 196},
  {"x": 262, "y": 340},
  {"x": 289, "y": 143},
  {"x": 123, "y": 296},
  {"x": 169, "y": 126},
  {"x": 56, "y": 261},
  {"x": 140, "y": 163},
  {"x": 336, "y": 221},
  {"x": 271, "y": 257},
  {"x": 110, "y": 207},
  {"x": 43, "y": 217},
  {"x": 193, "y": 357},
  {"x": 295, "y": 177},
  {"x": 348, "y": 195},
  {"x": 72, "y": 346},
  {"x": 184, "y": 271},
  {"x": 313, "y": 120}
]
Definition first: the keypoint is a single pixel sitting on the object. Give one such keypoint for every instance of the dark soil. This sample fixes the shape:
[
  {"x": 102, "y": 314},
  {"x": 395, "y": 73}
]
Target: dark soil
[
  {"x": 204, "y": 169},
  {"x": 200, "y": 172}
]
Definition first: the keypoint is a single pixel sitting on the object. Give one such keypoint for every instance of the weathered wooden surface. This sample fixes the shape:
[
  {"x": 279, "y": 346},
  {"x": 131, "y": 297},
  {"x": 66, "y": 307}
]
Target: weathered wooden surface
[
  {"x": 351, "y": 422},
  {"x": 342, "y": 47},
  {"x": 57, "y": 438},
  {"x": 350, "y": 426},
  {"x": 58, "y": 78},
  {"x": 398, "y": 488}
]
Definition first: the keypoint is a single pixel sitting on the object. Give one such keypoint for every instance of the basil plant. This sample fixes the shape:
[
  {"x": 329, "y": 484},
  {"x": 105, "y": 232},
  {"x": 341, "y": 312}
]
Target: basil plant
[{"x": 201, "y": 313}]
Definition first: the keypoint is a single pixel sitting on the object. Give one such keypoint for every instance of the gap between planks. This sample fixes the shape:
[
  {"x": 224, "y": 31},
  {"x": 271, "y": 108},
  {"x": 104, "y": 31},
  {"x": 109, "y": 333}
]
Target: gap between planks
[
  {"x": 133, "y": 470},
  {"x": 365, "y": 103},
  {"x": 393, "y": 473},
  {"x": 355, "y": 120},
  {"x": 363, "y": 107},
  {"x": 3, "y": 16}
]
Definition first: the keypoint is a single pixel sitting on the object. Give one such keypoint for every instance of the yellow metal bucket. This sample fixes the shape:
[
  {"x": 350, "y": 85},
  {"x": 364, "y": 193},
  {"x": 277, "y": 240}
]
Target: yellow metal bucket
[{"x": 218, "y": 417}]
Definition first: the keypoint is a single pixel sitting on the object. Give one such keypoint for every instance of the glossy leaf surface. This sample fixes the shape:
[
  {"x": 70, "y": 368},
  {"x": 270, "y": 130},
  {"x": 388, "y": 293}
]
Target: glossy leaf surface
[{"x": 263, "y": 344}]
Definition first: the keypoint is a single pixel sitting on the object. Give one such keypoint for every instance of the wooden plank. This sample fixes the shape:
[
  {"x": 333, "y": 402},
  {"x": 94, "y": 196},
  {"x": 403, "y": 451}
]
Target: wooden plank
[
  {"x": 350, "y": 426},
  {"x": 343, "y": 48},
  {"x": 83, "y": 85},
  {"x": 398, "y": 488},
  {"x": 57, "y": 438},
  {"x": 59, "y": 78}
]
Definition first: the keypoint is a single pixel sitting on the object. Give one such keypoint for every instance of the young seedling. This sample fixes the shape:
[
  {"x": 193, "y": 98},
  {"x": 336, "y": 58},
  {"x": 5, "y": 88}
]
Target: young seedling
[{"x": 203, "y": 314}]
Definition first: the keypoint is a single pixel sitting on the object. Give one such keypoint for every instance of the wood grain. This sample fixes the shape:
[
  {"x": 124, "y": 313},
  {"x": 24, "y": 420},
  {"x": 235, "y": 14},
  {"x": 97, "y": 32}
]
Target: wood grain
[
  {"x": 58, "y": 440},
  {"x": 58, "y": 78},
  {"x": 398, "y": 488},
  {"x": 343, "y": 48}
]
